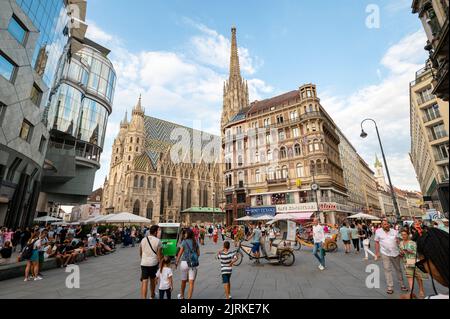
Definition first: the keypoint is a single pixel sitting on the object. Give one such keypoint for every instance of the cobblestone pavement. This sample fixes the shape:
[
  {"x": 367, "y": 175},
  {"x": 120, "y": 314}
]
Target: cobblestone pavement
[{"x": 117, "y": 276}]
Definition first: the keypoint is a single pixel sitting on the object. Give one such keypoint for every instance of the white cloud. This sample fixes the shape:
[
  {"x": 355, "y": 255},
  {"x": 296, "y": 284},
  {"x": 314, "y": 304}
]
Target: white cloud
[
  {"x": 180, "y": 87},
  {"x": 388, "y": 103},
  {"x": 214, "y": 49}
]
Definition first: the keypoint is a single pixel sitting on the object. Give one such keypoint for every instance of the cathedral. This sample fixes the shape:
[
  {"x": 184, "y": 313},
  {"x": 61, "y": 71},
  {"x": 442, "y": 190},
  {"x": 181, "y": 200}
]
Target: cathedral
[{"x": 145, "y": 180}]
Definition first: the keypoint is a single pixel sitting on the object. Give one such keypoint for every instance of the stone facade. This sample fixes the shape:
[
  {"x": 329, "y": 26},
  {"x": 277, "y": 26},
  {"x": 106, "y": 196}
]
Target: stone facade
[
  {"x": 429, "y": 118},
  {"x": 275, "y": 149},
  {"x": 143, "y": 178},
  {"x": 434, "y": 17}
]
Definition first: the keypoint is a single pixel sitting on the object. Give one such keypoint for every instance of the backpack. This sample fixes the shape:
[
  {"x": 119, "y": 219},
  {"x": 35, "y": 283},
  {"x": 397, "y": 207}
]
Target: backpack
[
  {"x": 192, "y": 257},
  {"x": 27, "y": 251}
]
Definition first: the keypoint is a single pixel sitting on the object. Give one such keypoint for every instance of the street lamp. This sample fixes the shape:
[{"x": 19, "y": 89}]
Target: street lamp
[{"x": 364, "y": 135}]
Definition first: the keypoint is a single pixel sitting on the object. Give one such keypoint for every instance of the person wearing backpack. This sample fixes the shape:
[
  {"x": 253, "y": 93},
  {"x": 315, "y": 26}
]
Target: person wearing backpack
[
  {"x": 30, "y": 253},
  {"x": 189, "y": 255}
]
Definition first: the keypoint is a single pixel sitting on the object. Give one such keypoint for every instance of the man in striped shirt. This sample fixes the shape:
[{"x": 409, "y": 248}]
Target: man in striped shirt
[{"x": 227, "y": 259}]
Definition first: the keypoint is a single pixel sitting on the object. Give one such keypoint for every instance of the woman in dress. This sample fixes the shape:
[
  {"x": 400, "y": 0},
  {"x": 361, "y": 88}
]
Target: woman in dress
[{"x": 408, "y": 251}]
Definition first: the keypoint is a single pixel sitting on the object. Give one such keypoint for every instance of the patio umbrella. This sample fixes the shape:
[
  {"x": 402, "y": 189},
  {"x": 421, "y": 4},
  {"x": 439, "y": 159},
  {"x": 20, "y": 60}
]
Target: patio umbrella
[
  {"x": 245, "y": 219},
  {"x": 263, "y": 217},
  {"x": 97, "y": 219},
  {"x": 127, "y": 218},
  {"x": 363, "y": 216},
  {"x": 47, "y": 219}
]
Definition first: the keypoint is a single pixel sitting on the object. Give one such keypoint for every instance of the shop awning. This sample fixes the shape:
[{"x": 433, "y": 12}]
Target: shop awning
[{"x": 293, "y": 216}]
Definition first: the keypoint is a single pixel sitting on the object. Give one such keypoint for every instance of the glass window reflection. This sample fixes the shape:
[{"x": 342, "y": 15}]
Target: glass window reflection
[{"x": 16, "y": 29}]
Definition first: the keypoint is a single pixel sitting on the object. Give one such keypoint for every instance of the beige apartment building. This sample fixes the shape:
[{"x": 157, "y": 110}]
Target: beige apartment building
[
  {"x": 429, "y": 129},
  {"x": 434, "y": 17},
  {"x": 368, "y": 185},
  {"x": 275, "y": 150}
]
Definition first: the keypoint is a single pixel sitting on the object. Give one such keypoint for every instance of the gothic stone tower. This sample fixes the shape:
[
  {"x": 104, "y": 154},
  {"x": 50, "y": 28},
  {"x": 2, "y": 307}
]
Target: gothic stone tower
[{"x": 235, "y": 90}]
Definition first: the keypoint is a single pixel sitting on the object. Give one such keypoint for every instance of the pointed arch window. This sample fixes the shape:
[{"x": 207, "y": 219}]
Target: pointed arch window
[
  {"x": 149, "y": 182},
  {"x": 283, "y": 152},
  {"x": 136, "y": 181},
  {"x": 141, "y": 184},
  {"x": 137, "y": 207},
  {"x": 150, "y": 210},
  {"x": 170, "y": 194},
  {"x": 298, "y": 150}
]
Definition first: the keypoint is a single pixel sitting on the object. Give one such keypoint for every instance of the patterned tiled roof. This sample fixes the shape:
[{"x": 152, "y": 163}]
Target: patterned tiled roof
[{"x": 158, "y": 140}]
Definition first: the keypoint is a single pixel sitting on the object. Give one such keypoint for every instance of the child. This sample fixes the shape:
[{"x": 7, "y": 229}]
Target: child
[
  {"x": 165, "y": 277},
  {"x": 227, "y": 259}
]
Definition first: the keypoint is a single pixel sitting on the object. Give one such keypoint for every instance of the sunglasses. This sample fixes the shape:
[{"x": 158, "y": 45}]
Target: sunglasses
[{"x": 421, "y": 265}]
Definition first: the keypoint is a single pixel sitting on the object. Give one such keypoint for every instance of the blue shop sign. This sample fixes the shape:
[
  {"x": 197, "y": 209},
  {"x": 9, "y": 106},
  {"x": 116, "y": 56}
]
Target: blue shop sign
[{"x": 258, "y": 211}]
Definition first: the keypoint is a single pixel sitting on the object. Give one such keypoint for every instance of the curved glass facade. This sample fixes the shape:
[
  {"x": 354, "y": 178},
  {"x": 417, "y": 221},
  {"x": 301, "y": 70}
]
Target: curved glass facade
[
  {"x": 81, "y": 105},
  {"x": 50, "y": 18},
  {"x": 93, "y": 122},
  {"x": 102, "y": 77}
]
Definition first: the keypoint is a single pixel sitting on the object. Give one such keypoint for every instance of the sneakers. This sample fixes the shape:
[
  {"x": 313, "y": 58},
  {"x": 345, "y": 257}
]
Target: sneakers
[
  {"x": 321, "y": 267},
  {"x": 27, "y": 279},
  {"x": 180, "y": 297},
  {"x": 366, "y": 258},
  {"x": 38, "y": 278}
]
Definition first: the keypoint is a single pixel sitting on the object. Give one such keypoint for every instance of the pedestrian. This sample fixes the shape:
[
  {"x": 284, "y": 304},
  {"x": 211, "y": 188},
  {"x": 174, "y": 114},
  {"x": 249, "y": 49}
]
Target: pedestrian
[
  {"x": 202, "y": 233},
  {"x": 196, "y": 231},
  {"x": 319, "y": 240},
  {"x": 189, "y": 256},
  {"x": 151, "y": 253},
  {"x": 43, "y": 241},
  {"x": 24, "y": 238},
  {"x": 133, "y": 236},
  {"x": 365, "y": 239},
  {"x": 6, "y": 252},
  {"x": 227, "y": 259},
  {"x": 16, "y": 239},
  {"x": 344, "y": 232},
  {"x": 386, "y": 245},
  {"x": 408, "y": 252},
  {"x": 354, "y": 235},
  {"x": 30, "y": 253},
  {"x": 210, "y": 231},
  {"x": 165, "y": 278},
  {"x": 256, "y": 242},
  {"x": 433, "y": 258},
  {"x": 215, "y": 235},
  {"x": 222, "y": 232},
  {"x": 272, "y": 236}
]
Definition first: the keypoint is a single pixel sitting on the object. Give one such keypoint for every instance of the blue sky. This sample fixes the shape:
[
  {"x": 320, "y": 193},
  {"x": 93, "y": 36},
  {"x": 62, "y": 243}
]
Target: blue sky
[{"x": 176, "y": 54}]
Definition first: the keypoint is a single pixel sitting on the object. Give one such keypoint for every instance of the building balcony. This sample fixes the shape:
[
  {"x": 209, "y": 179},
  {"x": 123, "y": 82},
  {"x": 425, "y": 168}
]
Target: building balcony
[
  {"x": 441, "y": 82},
  {"x": 432, "y": 120},
  {"x": 437, "y": 138},
  {"x": 276, "y": 181},
  {"x": 310, "y": 115},
  {"x": 423, "y": 100}
]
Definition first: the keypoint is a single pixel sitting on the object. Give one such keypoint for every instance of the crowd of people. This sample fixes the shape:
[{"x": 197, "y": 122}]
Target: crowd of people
[{"x": 66, "y": 244}]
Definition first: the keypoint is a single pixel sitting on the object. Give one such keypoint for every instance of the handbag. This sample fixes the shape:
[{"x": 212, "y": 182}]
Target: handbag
[{"x": 410, "y": 262}]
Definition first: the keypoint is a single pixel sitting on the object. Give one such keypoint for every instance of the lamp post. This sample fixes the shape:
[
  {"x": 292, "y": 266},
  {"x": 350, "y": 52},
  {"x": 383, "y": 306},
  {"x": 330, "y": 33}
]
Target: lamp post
[
  {"x": 214, "y": 206},
  {"x": 315, "y": 188},
  {"x": 394, "y": 199}
]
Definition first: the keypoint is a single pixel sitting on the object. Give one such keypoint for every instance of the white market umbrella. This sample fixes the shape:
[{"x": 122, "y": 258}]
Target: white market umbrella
[
  {"x": 97, "y": 219},
  {"x": 363, "y": 216},
  {"x": 293, "y": 216},
  {"x": 47, "y": 219},
  {"x": 264, "y": 217},
  {"x": 245, "y": 219},
  {"x": 126, "y": 218}
]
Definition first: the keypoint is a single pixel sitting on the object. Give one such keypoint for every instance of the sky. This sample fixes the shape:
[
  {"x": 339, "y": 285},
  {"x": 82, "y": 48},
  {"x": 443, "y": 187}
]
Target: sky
[{"x": 176, "y": 54}]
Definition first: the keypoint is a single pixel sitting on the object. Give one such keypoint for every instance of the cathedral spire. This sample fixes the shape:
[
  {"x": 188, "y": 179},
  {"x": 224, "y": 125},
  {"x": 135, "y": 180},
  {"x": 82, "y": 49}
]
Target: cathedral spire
[
  {"x": 235, "y": 70},
  {"x": 125, "y": 119},
  {"x": 235, "y": 97},
  {"x": 137, "y": 110},
  {"x": 377, "y": 161}
]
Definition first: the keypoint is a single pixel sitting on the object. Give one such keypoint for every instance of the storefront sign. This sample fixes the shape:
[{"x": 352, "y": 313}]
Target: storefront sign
[
  {"x": 257, "y": 211},
  {"x": 292, "y": 208},
  {"x": 326, "y": 207}
]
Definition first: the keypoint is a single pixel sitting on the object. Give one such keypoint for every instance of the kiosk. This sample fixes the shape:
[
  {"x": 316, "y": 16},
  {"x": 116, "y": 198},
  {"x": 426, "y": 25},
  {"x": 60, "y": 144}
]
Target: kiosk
[{"x": 170, "y": 233}]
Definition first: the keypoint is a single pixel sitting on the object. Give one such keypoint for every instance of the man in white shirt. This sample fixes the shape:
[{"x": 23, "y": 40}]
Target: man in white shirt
[
  {"x": 319, "y": 239},
  {"x": 151, "y": 254},
  {"x": 386, "y": 244}
]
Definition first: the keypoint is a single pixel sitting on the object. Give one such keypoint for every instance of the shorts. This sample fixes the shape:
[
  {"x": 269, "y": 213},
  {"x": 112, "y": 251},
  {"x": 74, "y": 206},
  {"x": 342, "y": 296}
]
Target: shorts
[
  {"x": 148, "y": 272},
  {"x": 41, "y": 257},
  {"x": 34, "y": 256},
  {"x": 255, "y": 247},
  {"x": 226, "y": 278},
  {"x": 187, "y": 273},
  {"x": 346, "y": 242}
]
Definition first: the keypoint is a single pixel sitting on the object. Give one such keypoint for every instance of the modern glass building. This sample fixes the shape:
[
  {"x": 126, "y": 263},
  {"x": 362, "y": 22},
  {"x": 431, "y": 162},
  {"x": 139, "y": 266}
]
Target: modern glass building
[
  {"x": 80, "y": 103},
  {"x": 33, "y": 34}
]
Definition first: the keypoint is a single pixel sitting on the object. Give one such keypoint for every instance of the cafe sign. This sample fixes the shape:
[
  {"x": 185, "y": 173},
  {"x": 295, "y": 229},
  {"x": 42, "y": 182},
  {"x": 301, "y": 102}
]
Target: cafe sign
[{"x": 292, "y": 208}]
